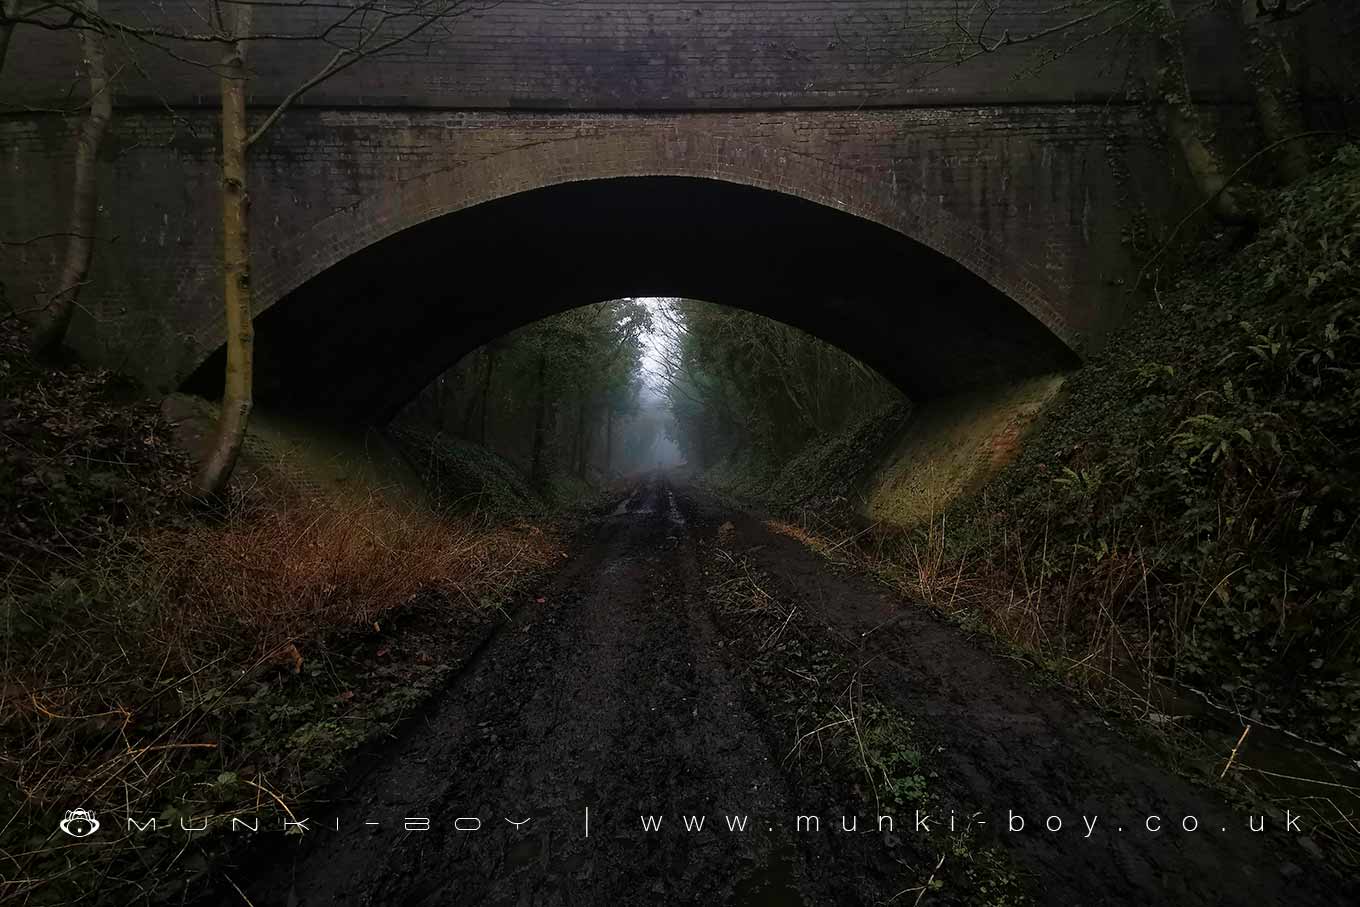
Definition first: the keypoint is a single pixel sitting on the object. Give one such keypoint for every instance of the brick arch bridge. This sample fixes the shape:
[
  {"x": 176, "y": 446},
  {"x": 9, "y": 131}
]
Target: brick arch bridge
[
  {"x": 649, "y": 153},
  {"x": 668, "y": 185},
  {"x": 998, "y": 203}
]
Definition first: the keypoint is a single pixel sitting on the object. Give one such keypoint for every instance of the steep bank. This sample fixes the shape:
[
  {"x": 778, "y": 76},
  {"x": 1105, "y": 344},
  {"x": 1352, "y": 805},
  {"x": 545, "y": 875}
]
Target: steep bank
[
  {"x": 1186, "y": 505},
  {"x": 696, "y": 710},
  {"x": 161, "y": 661},
  {"x": 1196, "y": 486}
]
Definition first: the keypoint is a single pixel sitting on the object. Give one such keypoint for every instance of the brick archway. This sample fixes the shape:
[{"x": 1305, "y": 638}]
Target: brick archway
[{"x": 674, "y": 152}]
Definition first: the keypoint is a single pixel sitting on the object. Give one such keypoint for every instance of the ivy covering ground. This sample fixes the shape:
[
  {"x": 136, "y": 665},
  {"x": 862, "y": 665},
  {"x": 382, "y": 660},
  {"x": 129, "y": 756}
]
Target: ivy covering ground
[{"x": 1201, "y": 478}]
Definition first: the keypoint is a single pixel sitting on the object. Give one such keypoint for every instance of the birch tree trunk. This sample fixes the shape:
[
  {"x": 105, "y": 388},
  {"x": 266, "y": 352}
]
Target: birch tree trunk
[
  {"x": 50, "y": 327},
  {"x": 237, "y": 398}
]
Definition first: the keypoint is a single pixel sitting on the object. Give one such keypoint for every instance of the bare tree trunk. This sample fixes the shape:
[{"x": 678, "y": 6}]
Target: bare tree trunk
[
  {"x": 608, "y": 441},
  {"x": 486, "y": 393},
  {"x": 1273, "y": 85},
  {"x": 1183, "y": 125},
  {"x": 237, "y": 398},
  {"x": 51, "y": 325},
  {"x": 470, "y": 409},
  {"x": 8, "y": 10},
  {"x": 538, "y": 466},
  {"x": 582, "y": 449},
  {"x": 587, "y": 443}
]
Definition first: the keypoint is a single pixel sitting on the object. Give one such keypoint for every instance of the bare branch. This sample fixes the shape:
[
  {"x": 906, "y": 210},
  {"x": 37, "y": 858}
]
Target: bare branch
[{"x": 346, "y": 57}]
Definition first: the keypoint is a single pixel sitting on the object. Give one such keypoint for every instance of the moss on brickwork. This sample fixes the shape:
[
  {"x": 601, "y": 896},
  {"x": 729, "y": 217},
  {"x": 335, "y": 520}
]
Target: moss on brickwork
[
  {"x": 898, "y": 466},
  {"x": 954, "y": 445}
]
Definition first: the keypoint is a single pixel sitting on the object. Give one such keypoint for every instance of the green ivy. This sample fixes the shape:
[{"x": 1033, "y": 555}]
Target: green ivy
[{"x": 1217, "y": 437}]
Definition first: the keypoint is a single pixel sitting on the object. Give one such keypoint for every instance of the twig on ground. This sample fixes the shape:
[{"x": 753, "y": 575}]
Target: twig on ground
[{"x": 1232, "y": 757}]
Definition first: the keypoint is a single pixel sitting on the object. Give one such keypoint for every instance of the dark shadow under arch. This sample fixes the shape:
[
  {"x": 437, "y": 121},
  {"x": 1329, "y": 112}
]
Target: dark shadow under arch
[{"x": 357, "y": 341}]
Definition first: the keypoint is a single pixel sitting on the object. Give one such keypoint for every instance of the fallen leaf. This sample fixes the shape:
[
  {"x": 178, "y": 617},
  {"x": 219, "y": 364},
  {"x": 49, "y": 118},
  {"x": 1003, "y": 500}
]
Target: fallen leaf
[{"x": 287, "y": 656}]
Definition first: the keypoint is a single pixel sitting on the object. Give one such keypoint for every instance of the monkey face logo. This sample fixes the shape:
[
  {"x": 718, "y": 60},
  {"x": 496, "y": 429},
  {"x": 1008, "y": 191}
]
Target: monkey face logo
[{"x": 79, "y": 823}]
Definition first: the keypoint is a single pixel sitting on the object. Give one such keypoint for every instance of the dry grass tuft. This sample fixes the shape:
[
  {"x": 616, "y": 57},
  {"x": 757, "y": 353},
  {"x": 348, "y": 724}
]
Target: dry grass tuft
[
  {"x": 157, "y": 662},
  {"x": 797, "y": 533},
  {"x": 293, "y": 573},
  {"x": 1092, "y": 626},
  {"x": 1095, "y": 625},
  {"x": 166, "y": 671}
]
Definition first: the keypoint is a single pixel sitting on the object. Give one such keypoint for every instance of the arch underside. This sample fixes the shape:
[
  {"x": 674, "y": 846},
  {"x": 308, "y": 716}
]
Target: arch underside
[{"x": 364, "y": 336}]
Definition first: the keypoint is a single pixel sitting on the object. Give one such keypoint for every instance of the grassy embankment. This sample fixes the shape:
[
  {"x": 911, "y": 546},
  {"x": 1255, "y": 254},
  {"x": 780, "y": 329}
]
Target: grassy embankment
[
  {"x": 824, "y": 479},
  {"x": 1184, "y": 516},
  {"x": 1189, "y": 504},
  {"x": 164, "y": 660}
]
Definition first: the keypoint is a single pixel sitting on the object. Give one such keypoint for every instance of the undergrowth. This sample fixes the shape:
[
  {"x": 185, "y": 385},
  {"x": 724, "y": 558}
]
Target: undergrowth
[
  {"x": 1189, "y": 506},
  {"x": 1184, "y": 516},
  {"x": 467, "y": 476},
  {"x": 164, "y": 661},
  {"x": 865, "y": 749},
  {"x": 825, "y": 476}
]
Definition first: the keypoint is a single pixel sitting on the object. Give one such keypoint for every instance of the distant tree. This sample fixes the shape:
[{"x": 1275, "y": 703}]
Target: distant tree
[
  {"x": 739, "y": 384},
  {"x": 479, "y": 403},
  {"x": 515, "y": 391},
  {"x": 538, "y": 464}
]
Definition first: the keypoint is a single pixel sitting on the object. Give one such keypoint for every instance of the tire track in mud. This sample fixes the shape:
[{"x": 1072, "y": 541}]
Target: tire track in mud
[
  {"x": 625, "y": 693},
  {"x": 614, "y": 695},
  {"x": 1005, "y": 744}
]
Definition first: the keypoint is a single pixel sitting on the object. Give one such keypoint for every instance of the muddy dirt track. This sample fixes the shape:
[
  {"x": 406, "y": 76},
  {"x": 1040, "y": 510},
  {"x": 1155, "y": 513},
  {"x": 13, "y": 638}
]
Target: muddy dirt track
[{"x": 632, "y": 690}]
